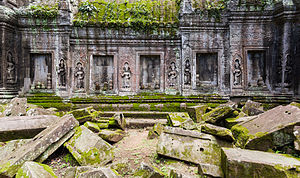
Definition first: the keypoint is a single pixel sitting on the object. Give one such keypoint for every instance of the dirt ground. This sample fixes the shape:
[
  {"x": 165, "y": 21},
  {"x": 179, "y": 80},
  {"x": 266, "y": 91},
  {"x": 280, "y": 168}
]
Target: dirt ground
[{"x": 130, "y": 153}]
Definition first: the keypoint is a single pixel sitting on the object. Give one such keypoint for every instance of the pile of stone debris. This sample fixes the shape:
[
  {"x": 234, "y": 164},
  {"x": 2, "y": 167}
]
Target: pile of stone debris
[{"x": 225, "y": 141}]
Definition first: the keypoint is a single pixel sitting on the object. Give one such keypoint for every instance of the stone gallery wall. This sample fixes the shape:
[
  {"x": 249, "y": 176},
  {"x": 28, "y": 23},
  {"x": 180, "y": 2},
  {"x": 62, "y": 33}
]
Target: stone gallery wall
[{"x": 240, "y": 50}]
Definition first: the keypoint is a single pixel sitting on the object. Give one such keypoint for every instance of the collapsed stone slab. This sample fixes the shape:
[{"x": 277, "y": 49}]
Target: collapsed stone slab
[
  {"x": 16, "y": 107},
  {"x": 217, "y": 115},
  {"x": 85, "y": 114},
  {"x": 9, "y": 147},
  {"x": 35, "y": 147},
  {"x": 271, "y": 129},
  {"x": 176, "y": 119},
  {"x": 196, "y": 112},
  {"x": 35, "y": 170},
  {"x": 250, "y": 163},
  {"x": 111, "y": 135},
  {"x": 191, "y": 146},
  {"x": 217, "y": 131},
  {"x": 252, "y": 108},
  {"x": 89, "y": 149},
  {"x": 87, "y": 171},
  {"x": 19, "y": 127}
]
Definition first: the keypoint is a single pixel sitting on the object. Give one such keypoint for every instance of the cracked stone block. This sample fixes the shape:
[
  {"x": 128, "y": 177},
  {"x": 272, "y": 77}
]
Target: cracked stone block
[
  {"x": 191, "y": 146},
  {"x": 35, "y": 170},
  {"x": 249, "y": 163},
  {"x": 89, "y": 149}
]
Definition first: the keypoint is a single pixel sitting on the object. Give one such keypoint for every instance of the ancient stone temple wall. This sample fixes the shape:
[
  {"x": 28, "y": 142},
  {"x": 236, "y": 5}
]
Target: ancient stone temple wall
[{"x": 245, "y": 51}]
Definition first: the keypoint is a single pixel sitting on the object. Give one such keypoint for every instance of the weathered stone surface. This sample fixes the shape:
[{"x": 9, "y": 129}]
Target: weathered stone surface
[
  {"x": 230, "y": 122},
  {"x": 35, "y": 170},
  {"x": 51, "y": 149},
  {"x": 175, "y": 119},
  {"x": 35, "y": 147},
  {"x": 196, "y": 112},
  {"x": 191, "y": 146},
  {"x": 16, "y": 107},
  {"x": 217, "y": 115},
  {"x": 268, "y": 130},
  {"x": 217, "y": 131},
  {"x": 249, "y": 163},
  {"x": 148, "y": 171},
  {"x": 99, "y": 172},
  {"x": 112, "y": 135},
  {"x": 85, "y": 114},
  {"x": 19, "y": 127},
  {"x": 188, "y": 124},
  {"x": 9, "y": 147},
  {"x": 89, "y": 149},
  {"x": 39, "y": 111},
  {"x": 252, "y": 108},
  {"x": 156, "y": 130},
  {"x": 92, "y": 126},
  {"x": 296, "y": 132},
  {"x": 88, "y": 172},
  {"x": 120, "y": 120}
]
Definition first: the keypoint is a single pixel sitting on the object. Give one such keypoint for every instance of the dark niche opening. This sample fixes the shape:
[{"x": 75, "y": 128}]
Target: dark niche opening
[
  {"x": 103, "y": 72},
  {"x": 150, "y": 72},
  {"x": 206, "y": 69},
  {"x": 41, "y": 71},
  {"x": 256, "y": 68}
]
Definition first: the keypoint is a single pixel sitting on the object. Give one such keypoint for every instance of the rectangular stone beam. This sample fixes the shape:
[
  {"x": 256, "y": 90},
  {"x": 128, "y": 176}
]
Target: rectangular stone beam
[
  {"x": 20, "y": 127},
  {"x": 39, "y": 144}
]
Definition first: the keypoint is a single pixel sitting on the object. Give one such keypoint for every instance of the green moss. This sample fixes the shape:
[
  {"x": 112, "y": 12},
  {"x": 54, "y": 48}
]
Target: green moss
[
  {"x": 142, "y": 173},
  {"x": 241, "y": 135},
  {"x": 43, "y": 11},
  {"x": 48, "y": 169},
  {"x": 22, "y": 174}
]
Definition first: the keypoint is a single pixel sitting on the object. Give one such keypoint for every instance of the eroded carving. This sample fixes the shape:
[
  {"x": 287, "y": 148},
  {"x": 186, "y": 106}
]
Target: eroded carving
[
  {"x": 11, "y": 68},
  {"x": 172, "y": 75},
  {"x": 187, "y": 72},
  {"x": 126, "y": 75},
  {"x": 79, "y": 75},
  {"x": 62, "y": 73}
]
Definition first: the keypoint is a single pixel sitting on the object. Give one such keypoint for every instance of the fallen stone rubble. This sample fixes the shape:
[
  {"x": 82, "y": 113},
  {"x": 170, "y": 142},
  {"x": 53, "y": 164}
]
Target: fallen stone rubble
[{"x": 225, "y": 141}]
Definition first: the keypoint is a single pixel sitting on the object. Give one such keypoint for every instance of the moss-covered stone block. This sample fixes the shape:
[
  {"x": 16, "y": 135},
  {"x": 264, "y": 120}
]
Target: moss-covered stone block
[
  {"x": 191, "y": 146},
  {"x": 85, "y": 114},
  {"x": 218, "y": 115},
  {"x": 92, "y": 126},
  {"x": 175, "y": 119},
  {"x": 156, "y": 130},
  {"x": 217, "y": 131},
  {"x": 111, "y": 135},
  {"x": 35, "y": 170},
  {"x": 249, "y": 163},
  {"x": 252, "y": 108},
  {"x": 196, "y": 112},
  {"x": 89, "y": 149}
]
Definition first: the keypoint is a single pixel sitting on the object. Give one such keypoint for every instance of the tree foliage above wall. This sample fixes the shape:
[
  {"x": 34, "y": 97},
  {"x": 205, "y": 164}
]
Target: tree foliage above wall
[{"x": 139, "y": 15}]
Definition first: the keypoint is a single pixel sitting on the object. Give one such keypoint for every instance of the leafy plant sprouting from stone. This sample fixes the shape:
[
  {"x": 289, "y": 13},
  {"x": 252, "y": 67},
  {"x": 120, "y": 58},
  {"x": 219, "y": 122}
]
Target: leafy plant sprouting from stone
[
  {"x": 213, "y": 8},
  {"x": 43, "y": 11},
  {"x": 143, "y": 15}
]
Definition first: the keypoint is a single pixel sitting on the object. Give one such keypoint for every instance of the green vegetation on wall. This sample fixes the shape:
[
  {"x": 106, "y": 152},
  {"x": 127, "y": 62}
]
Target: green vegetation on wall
[
  {"x": 142, "y": 15},
  {"x": 212, "y": 7},
  {"x": 43, "y": 11}
]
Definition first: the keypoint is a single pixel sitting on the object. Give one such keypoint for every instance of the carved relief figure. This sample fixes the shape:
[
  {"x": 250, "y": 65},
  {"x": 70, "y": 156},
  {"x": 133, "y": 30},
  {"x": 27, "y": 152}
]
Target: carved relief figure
[
  {"x": 11, "y": 68},
  {"x": 79, "y": 75},
  {"x": 187, "y": 72},
  {"x": 173, "y": 74},
  {"x": 237, "y": 72},
  {"x": 126, "y": 75},
  {"x": 62, "y": 73}
]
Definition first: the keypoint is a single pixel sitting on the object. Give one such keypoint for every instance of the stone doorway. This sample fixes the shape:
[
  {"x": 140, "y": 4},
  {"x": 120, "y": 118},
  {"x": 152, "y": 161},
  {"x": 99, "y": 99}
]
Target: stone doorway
[
  {"x": 41, "y": 71},
  {"x": 256, "y": 68},
  {"x": 206, "y": 69},
  {"x": 103, "y": 73},
  {"x": 150, "y": 72}
]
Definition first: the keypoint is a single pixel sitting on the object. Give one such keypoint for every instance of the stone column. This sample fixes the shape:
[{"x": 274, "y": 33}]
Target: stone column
[{"x": 286, "y": 68}]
